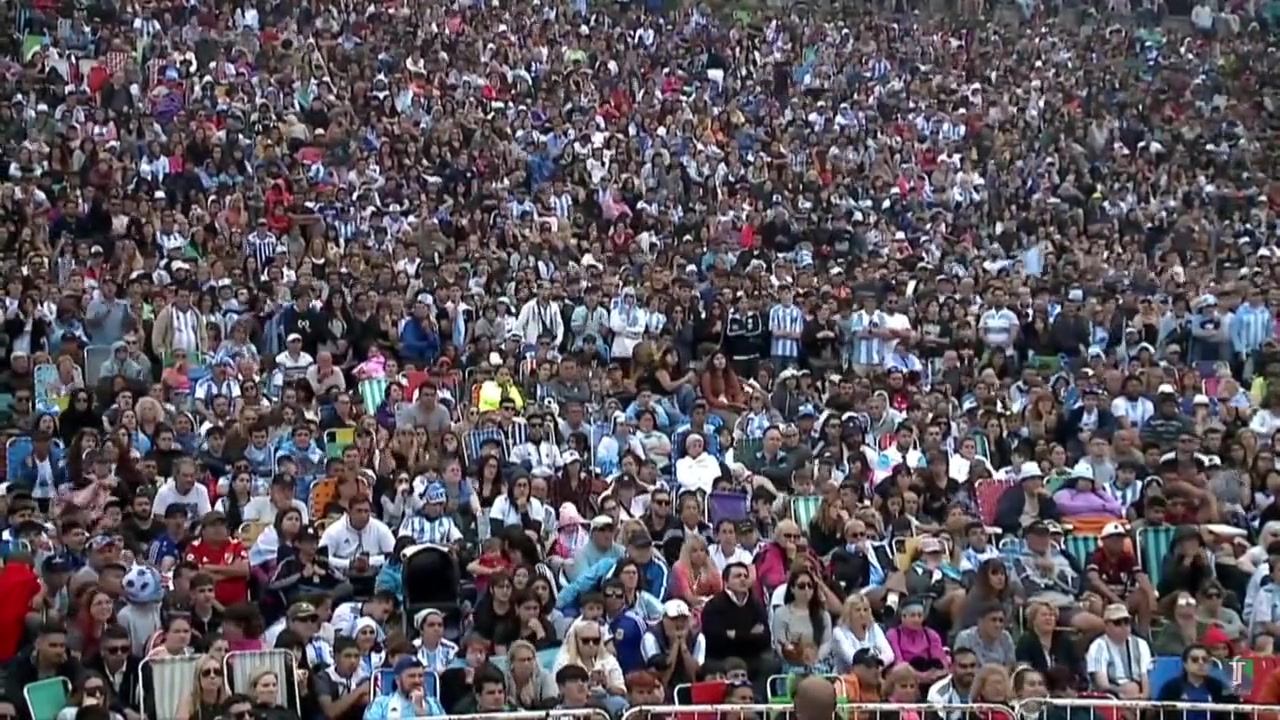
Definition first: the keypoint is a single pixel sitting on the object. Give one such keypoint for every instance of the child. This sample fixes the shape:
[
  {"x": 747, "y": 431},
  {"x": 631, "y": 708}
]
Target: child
[
  {"x": 592, "y": 607},
  {"x": 491, "y": 561},
  {"x": 375, "y": 368}
]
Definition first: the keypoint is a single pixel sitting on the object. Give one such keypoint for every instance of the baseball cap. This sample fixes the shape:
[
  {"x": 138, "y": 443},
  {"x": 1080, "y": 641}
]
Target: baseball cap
[
  {"x": 639, "y": 539},
  {"x": 601, "y": 522},
  {"x": 297, "y": 611},
  {"x": 1113, "y": 529},
  {"x": 675, "y": 609}
]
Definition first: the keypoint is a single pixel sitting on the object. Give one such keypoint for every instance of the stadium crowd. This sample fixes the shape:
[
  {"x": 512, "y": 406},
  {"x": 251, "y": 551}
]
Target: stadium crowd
[{"x": 401, "y": 359}]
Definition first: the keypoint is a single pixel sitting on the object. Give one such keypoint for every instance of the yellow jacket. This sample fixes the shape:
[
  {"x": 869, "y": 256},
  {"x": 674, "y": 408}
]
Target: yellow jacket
[{"x": 491, "y": 396}]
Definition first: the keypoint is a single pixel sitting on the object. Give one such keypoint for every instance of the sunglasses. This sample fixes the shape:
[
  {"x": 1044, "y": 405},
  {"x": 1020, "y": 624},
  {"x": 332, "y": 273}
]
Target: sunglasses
[
  {"x": 116, "y": 650},
  {"x": 1119, "y": 623},
  {"x": 589, "y": 640},
  {"x": 95, "y": 691},
  {"x": 211, "y": 672},
  {"x": 242, "y": 715},
  {"x": 1198, "y": 658}
]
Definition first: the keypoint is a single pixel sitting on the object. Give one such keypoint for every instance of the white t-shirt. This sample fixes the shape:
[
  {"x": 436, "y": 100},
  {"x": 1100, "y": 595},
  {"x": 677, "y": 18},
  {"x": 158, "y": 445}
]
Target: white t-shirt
[
  {"x": 503, "y": 510},
  {"x": 1125, "y": 662},
  {"x": 722, "y": 561},
  {"x": 196, "y": 499},
  {"x": 894, "y": 321}
]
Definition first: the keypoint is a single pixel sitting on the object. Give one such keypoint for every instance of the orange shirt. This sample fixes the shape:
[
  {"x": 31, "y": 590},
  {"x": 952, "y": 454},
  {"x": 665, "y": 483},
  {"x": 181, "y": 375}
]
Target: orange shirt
[{"x": 228, "y": 591}]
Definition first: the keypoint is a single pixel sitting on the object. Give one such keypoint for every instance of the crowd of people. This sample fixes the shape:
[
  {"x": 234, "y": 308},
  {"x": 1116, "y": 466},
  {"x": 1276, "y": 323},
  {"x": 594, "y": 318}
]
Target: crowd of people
[{"x": 408, "y": 359}]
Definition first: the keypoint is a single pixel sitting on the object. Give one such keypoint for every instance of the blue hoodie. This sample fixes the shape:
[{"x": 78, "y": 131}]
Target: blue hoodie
[
  {"x": 655, "y": 575},
  {"x": 418, "y": 344}
]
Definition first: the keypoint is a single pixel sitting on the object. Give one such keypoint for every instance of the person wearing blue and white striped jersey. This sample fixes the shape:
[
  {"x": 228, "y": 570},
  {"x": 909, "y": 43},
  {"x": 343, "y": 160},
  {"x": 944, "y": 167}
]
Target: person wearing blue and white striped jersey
[
  {"x": 786, "y": 325},
  {"x": 1251, "y": 326},
  {"x": 431, "y": 524},
  {"x": 999, "y": 326},
  {"x": 868, "y": 334},
  {"x": 433, "y": 650}
]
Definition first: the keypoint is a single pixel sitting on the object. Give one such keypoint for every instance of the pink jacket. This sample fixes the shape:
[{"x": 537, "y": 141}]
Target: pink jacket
[{"x": 1075, "y": 503}]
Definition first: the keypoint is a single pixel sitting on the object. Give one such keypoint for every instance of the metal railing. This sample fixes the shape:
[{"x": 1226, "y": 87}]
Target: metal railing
[{"x": 1026, "y": 709}]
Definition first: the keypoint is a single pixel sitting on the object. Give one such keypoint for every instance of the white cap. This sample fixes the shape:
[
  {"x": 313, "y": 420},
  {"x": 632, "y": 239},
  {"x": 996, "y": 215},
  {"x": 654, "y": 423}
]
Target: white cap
[
  {"x": 1200, "y": 399},
  {"x": 1112, "y": 529},
  {"x": 601, "y": 521},
  {"x": 1030, "y": 469},
  {"x": 675, "y": 609},
  {"x": 292, "y": 337},
  {"x": 1166, "y": 389}
]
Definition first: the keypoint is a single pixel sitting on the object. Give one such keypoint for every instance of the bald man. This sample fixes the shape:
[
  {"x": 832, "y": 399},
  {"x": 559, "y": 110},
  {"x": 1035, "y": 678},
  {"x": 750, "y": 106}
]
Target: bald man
[{"x": 815, "y": 699}]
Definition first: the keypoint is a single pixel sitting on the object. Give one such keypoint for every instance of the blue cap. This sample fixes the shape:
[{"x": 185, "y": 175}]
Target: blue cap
[
  {"x": 435, "y": 493},
  {"x": 807, "y": 410},
  {"x": 407, "y": 663}
]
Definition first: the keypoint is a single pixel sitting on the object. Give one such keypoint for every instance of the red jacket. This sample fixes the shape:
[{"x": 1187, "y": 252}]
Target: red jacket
[{"x": 19, "y": 585}]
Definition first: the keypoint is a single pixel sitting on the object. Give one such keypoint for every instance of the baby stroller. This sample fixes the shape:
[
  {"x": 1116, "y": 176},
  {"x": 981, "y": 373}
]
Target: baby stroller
[{"x": 432, "y": 579}]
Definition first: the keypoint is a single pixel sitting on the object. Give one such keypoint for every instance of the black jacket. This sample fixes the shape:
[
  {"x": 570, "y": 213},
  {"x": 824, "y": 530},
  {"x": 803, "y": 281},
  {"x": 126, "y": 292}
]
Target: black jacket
[
  {"x": 722, "y": 614},
  {"x": 853, "y": 570},
  {"x": 126, "y": 693},
  {"x": 1065, "y": 653},
  {"x": 1009, "y": 510}
]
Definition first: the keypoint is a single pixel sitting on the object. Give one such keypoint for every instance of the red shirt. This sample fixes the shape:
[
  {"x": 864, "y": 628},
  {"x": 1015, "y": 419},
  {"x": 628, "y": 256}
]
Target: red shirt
[
  {"x": 228, "y": 591},
  {"x": 1119, "y": 572}
]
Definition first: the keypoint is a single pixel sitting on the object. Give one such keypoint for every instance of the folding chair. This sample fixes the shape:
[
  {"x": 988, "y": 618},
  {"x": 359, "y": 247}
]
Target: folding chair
[
  {"x": 517, "y": 433},
  {"x": 239, "y": 668},
  {"x": 336, "y": 440},
  {"x": 721, "y": 505},
  {"x": 986, "y": 493},
  {"x": 473, "y": 440},
  {"x": 17, "y": 450},
  {"x": 372, "y": 392},
  {"x": 163, "y": 682},
  {"x": 1153, "y": 545},
  {"x": 95, "y": 356},
  {"x": 804, "y": 508},
  {"x": 46, "y": 698}
]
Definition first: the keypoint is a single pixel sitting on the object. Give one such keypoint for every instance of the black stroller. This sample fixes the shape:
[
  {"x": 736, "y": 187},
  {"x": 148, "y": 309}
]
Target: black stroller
[{"x": 432, "y": 579}]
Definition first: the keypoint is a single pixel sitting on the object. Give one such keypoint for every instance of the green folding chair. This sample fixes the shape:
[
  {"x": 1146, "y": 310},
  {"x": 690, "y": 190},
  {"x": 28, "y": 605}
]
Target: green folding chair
[
  {"x": 373, "y": 391},
  {"x": 336, "y": 440},
  {"x": 804, "y": 508},
  {"x": 46, "y": 698},
  {"x": 1153, "y": 545},
  {"x": 1081, "y": 546}
]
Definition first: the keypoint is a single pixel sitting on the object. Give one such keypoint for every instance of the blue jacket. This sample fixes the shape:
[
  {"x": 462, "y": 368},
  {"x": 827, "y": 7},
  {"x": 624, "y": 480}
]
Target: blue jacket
[
  {"x": 26, "y": 469},
  {"x": 381, "y": 708},
  {"x": 419, "y": 344},
  {"x": 655, "y": 575}
]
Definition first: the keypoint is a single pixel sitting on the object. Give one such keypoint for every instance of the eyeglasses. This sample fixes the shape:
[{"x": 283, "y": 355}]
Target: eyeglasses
[
  {"x": 1119, "y": 623},
  {"x": 241, "y": 714},
  {"x": 116, "y": 650},
  {"x": 613, "y": 595},
  {"x": 211, "y": 672},
  {"x": 663, "y": 502},
  {"x": 589, "y": 640},
  {"x": 1197, "y": 659},
  {"x": 95, "y": 691}
]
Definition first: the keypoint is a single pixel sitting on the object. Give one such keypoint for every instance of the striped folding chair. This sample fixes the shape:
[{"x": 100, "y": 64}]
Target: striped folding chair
[
  {"x": 473, "y": 440},
  {"x": 517, "y": 433},
  {"x": 745, "y": 448},
  {"x": 599, "y": 429},
  {"x": 1081, "y": 546},
  {"x": 372, "y": 392},
  {"x": 239, "y": 669},
  {"x": 1153, "y": 545},
  {"x": 804, "y": 508},
  {"x": 986, "y": 493},
  {"x": 164, "y": 682},
  {"x": 17, "y": 450},
  {"x": 735, "y": 506}
]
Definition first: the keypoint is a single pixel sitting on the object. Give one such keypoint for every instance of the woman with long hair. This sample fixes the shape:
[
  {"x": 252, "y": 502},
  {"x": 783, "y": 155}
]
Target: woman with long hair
[
  {"x": 826, "y": 528},
  {"x": 858, "y": 630},
  {"x": 584, "y": 646},
  {"x": 990, "y": 585},
  {"x": 495, "y": 615},
  {"x": 694, "y": 577},
  {"x": 268, "y": 548},
  {"x": 529, "y": 687},
  {"x": 723, "y": 390},
  {"x": 801, "y": 628},
  {"x": 80, "y": 415},
  {"x": 634, "y": 594},
  {"x": 174, "y": 639},
  {"x": 94, "y": 690},
  {"x": 97, "y": 613},
  {"x": 208, "y": 691},
  {"x": 264, "y": 690},
  {"x": 239, "y": 495}
]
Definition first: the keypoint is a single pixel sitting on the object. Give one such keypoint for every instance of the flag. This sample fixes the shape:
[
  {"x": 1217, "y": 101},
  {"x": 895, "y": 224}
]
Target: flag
[{"x": 31, "y": 44}]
